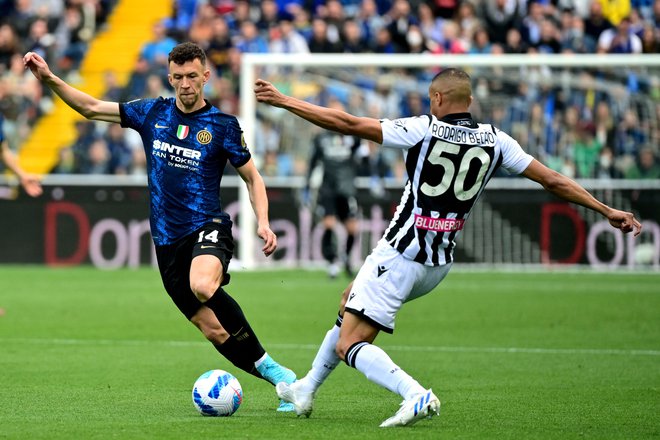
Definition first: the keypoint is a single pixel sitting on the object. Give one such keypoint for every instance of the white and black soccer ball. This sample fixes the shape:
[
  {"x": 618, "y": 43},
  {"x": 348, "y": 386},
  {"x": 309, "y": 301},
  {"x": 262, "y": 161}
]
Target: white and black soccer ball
[{"x": 217, "y": 393}]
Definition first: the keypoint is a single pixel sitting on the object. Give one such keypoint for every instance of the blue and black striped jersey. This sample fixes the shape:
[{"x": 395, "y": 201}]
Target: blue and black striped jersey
[{"x": 186, "y": 156}]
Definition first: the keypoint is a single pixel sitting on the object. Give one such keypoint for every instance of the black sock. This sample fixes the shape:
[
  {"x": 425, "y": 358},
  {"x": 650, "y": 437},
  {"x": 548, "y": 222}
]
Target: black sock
[
  {"x": 231, "y": 349},
  {"x": 350, "y": 240},
  {"x": 242, "y": 348},
  {"x": 328, "y": 248}
]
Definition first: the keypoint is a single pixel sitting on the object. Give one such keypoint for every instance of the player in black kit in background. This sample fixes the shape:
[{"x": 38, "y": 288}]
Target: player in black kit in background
[{"x": 337, "y": 154}]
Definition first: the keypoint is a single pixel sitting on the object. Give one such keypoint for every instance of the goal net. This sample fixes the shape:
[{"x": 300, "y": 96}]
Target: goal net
[{"x": 589, "y": 116}]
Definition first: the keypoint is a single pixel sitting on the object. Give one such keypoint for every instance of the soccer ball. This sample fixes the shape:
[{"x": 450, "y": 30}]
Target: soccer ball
[{"x": 217, "y": 393}]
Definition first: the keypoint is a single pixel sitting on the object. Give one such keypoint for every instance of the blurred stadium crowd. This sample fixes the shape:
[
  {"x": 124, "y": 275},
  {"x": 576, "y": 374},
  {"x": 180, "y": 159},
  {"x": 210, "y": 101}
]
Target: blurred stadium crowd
[{"x": 598, "y": 124}]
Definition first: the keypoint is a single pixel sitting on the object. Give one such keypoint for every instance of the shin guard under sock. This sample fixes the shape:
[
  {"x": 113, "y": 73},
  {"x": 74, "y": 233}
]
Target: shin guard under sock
[{"x": 242, "y": 348}]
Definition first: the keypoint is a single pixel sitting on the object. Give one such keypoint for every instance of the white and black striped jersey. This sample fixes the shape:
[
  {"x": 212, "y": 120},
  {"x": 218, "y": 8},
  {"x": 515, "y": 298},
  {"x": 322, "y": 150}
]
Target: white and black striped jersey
[{"x": 448, "y": 162}]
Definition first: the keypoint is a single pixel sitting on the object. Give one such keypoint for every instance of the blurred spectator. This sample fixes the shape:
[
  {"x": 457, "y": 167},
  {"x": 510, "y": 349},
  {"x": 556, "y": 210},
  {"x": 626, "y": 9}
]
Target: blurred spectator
[
  {"x": 650, "y": 39},
  {"x": 9, "y": 45},
  {"x": 604, "y": 124},
  {"x": 97, "y": 160},
  {"x": 370, "y": 20},
  {"x": 481, "y": 44},
  {"x": 514, "y": 42},
  {"x": 302, "y": 24},
  {"x": 241, "y": 13},
  {"x": 587, "y": 150},
  {"x": 629, "y": 135},
  {"x": 218, "y": 46},
  {"x": 384, "y": 98},
  {"x": 499, "y": 19},
  {"x": 202, "y": 28},
  {"x": 430, "y": 26},
  {"x": 22, "y": 17},
  {"x": 268, "y": 18},
  {"x": 39, "y": 40},
  {"x": 467, "y": 19},
  {"x": 334, "y": 16},
  {"x": 113, "y": 91},
  {"x": 249, "y": 40},
  {"x": 288, "y": 40},
  {"x": 155, "y": 87},
  {"x": 619, "y": 39},
  {"x": 156, "y": 51},
  {"x": 416, "y": 41},
  {"x": 532, "y": 23},
  {"x": 451, "y": 40},
  {"x": 606, "y": 168},
  {"x": 66, "y": 162},
  {"x": 549, "y": 39},
  {"x": 596, "y": 23},
  {"x": 73, "y": 34},
  {"x": 183, "y": 14},
  {"x": 401, "y": 20},
  {"x": 319, "y": 42},
  {"x": 121, "y": 155},
  {"x": 137, "y": 83},
  {"x": 574, "y": 39},
  {"x": 25, "y": 93},
  {"x": 646, "y": 166},
  {"x": 267, "y": 137},
  {"x": 383, "y": 42},
  {"x": 352, "y": 40}
]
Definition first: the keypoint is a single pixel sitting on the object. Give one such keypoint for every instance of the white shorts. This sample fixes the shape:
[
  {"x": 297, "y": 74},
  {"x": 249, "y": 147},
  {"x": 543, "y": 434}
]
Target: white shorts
[{"x": 385, "y": 281}]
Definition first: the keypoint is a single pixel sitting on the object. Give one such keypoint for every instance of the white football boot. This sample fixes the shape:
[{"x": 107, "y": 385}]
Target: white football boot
[
  {"x": 292, "y": 392},
  {"x": 420, "y": 406}
]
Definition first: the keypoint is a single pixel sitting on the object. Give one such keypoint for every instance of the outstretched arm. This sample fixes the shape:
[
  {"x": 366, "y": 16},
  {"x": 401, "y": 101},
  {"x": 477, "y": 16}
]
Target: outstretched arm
[
  {"x": 569, "y": 190},
  {"x": 330, "y": 119},
  {"x": 86, "y": 105},
  {"x": 30, "y": 182},
  {"x": 257, "y": 190}
]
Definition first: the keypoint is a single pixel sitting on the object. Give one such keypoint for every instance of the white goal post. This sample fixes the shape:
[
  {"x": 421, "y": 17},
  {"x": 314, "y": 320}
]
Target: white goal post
[{"x": 251, "y": 63}]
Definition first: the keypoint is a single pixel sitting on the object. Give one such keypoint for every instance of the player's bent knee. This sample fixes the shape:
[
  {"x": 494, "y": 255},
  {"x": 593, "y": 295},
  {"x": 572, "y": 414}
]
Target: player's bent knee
[
  {"x": 204, "y": 287},
  {"x": 340, "y": 350}
]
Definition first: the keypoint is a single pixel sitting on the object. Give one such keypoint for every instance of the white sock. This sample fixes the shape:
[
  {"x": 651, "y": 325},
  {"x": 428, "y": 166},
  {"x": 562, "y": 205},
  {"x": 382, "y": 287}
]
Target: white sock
[
  {"x": 374, "y": 363},
  {"x": 260, "y": 360},
  {"x": 324, "y": 363}
]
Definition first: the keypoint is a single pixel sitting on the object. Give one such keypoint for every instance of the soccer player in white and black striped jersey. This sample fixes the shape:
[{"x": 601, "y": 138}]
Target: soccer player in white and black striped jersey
[{"x": 449, "y": 160}]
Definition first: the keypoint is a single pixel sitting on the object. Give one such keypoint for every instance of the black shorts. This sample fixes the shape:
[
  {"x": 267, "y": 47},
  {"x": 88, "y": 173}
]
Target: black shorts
[
  {"x": 174, "y": 262},
  {"x": 338, "y": 205}
]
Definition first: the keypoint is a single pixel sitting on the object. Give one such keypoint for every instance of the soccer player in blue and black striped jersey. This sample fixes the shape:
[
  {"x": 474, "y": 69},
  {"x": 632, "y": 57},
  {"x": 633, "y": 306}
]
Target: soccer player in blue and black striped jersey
[
  {"x": 188, "y": 142},
  {"x": 450, "y": 158}
]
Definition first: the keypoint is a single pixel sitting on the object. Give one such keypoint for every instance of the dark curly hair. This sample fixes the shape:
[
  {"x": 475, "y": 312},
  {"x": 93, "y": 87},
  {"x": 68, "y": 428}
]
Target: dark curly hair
[{"x": 184, "y": 52}]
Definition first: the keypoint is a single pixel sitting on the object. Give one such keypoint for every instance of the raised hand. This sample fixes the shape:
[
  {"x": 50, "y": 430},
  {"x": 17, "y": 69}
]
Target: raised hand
[
  {"x": 268, "y": 93},
  {"x": 37, "y": 65}
]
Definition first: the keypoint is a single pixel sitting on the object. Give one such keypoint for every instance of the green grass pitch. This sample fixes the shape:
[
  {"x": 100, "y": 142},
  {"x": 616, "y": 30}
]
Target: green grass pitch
[{"x": 90, "y": 354}]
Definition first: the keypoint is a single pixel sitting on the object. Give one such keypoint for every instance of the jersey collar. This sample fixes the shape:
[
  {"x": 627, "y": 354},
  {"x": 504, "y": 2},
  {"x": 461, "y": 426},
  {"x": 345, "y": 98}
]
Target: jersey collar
[
  {"x": 206, "y": 107},
  {"x": 462, "y": 119}
]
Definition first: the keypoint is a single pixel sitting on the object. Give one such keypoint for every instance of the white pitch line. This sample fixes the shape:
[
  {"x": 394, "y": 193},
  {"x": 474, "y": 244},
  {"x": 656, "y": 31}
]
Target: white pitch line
[{"x": 413, "y": 348}]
